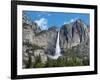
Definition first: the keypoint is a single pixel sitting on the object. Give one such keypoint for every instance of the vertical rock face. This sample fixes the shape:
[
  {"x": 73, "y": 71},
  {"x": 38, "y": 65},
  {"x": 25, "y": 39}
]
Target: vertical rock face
[
  {"x": 36, "y": 40},
  {"x": 46, "y": 40},
  {"x": 29, "y": 30},
  {"x": 73, "y": 34}
]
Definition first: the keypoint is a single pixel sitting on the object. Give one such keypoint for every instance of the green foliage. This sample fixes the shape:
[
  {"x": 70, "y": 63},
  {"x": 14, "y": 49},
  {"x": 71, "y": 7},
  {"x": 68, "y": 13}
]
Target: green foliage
[
  {"x": 63, "y": 62},
  {"x": 38, "y": 63},
  {"x": 86, "y": 61},
  {"x": 29, "y": 62},
  {"x": 60, "y": 62},
  {"x": 74, "y": 61},
  {"x": 51, "y": 63}
]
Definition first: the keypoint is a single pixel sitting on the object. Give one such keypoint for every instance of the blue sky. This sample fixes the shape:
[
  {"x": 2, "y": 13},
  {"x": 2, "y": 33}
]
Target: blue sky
[{"x": 48, "y": 19}]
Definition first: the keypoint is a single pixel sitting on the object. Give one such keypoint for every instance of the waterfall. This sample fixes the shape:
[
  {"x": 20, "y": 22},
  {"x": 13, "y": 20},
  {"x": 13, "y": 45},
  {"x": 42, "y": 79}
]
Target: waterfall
[
  {"x": 57, "y": 47},
  {"x": 57, "y": 50}
]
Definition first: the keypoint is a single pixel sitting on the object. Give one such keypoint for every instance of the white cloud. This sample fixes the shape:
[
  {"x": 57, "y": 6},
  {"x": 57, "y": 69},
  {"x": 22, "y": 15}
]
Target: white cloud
[
  {"x": 70, "y": 21},
  {"x": 42, "y": 23},
  {"x": 64, "y": 23}
]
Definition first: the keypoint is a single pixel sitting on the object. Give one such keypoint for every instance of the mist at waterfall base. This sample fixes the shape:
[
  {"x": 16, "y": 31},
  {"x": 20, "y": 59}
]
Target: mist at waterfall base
[{"x": 57, "y": 49}]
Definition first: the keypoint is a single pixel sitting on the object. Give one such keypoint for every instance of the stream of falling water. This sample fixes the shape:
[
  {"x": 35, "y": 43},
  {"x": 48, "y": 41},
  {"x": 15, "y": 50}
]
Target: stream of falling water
[{"x": 57, "y": 50}]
